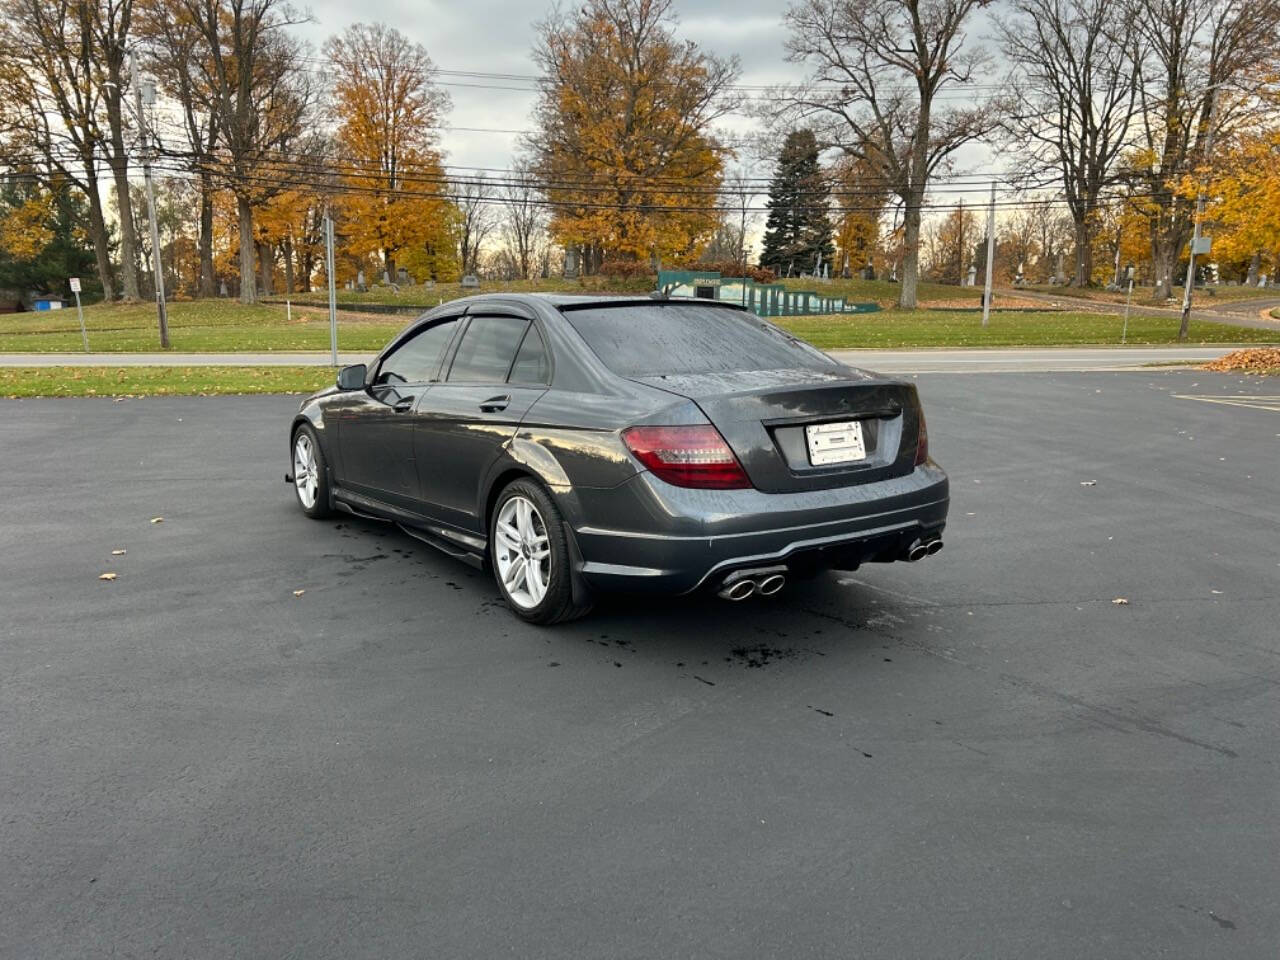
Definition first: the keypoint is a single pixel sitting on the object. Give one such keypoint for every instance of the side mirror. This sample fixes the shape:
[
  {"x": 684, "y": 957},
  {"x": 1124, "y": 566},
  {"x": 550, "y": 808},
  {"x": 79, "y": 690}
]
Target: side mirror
[{"x": 352, "y": 377}]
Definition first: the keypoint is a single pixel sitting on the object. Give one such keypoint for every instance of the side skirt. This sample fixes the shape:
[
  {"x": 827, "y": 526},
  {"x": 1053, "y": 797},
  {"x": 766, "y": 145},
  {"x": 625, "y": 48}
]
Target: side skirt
[{"x": 463, "y": 546}]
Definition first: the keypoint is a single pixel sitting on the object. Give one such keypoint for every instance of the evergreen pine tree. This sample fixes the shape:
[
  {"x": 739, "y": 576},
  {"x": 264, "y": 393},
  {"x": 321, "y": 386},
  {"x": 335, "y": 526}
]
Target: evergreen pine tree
[{"x": 799, "y": 226}]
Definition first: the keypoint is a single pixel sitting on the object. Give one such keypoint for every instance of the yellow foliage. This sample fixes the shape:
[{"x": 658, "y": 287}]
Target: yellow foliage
[
  {"x": 25, "y": 230},
  {"x": 394, "y": 197},
  {"x": 625, "y": 145},
  {"x": 1245, "y": 212}
]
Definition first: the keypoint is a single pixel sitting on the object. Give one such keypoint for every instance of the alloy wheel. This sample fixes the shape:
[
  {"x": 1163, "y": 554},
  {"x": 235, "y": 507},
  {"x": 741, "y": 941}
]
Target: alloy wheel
[
  {"x": 522, "y": 552},
  {"x": 306, "y": 475}
]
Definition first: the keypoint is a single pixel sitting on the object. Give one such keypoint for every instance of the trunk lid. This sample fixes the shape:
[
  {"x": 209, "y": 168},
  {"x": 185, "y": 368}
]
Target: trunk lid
[{"x": 762, "y": 414}]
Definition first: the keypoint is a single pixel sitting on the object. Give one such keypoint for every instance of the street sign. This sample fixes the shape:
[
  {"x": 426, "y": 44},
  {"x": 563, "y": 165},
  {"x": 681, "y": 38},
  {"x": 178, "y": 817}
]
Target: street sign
[
  {"x": 1200, "y": 246},
  {"x": 75, "y": 284}
]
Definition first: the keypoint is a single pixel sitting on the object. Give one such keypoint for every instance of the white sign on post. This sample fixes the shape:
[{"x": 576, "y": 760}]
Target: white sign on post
[{"x": 84, "y": 334}]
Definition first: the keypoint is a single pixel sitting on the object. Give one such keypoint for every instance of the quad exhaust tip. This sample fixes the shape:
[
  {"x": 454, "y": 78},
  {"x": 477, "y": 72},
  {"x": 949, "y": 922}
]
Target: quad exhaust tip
[
  {"x": 764, "y": 582},
  {"x": 771, "y": 584},
  {"x": 921, "y": 549}
]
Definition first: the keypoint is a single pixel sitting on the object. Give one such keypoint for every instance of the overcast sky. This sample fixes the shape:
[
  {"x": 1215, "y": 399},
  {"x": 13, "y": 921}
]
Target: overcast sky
[{"x": 496, "y": 36}]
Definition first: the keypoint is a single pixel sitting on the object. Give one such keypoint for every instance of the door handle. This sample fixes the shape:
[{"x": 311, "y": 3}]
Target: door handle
[
  {"x": 403, "y": 406},
  {"x": 495, "y": 404}
]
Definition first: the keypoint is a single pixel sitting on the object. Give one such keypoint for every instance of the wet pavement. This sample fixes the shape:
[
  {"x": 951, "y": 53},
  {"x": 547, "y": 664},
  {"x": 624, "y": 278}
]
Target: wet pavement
[{"x": 982, "y": 754}]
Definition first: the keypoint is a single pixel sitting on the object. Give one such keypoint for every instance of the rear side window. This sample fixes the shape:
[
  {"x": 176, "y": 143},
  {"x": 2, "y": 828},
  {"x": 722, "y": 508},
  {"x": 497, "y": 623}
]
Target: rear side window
[
  {"x": 531, "y": 364},
  {"x": 642, "y": 340},
  {"x": 487, "y": 350},
  {"x": 418, "y": 358}
]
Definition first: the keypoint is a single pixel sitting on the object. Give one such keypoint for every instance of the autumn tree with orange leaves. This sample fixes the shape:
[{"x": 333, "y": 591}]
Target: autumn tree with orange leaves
[
  {"x": 388, "y": 111},
  {"x": 625, "y": 146}
]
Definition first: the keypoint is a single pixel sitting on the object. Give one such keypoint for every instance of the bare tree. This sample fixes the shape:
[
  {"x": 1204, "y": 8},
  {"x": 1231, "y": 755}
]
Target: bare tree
[
  {"x": 260, "y": 100},
  {"x": 524, "y": 221},
  {"x": 472, "y": 196},
  {"x": 877, "y": 69},
  {"x": 1018, "y": 236},
  {"x": 1201, "y": 55},
  {"x": 1075, "y": 100},
  {"x": 173, "y": 42},
  {"x": 66, "y": 83}
]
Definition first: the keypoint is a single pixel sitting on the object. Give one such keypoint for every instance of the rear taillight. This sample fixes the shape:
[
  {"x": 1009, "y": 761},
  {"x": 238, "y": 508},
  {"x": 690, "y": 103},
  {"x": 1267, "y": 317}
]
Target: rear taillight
[
  {"x": 690, "y": 456},
  {"x": 922, "y": 445}
]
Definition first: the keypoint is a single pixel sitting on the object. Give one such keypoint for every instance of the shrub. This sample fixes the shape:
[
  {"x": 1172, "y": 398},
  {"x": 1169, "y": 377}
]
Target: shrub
[{"x": 626, "y": 269}]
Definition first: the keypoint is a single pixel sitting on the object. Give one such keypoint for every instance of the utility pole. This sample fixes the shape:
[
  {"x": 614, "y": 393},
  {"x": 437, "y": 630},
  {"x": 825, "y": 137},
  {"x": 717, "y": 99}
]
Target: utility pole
[
  {"x": 991, "y": 254},
  {"x": 333, "y": 298},
  {"x": 960, "y": 243},
  {"x": 145, "y": 142},
  {"x": 1185, "y": 328}
]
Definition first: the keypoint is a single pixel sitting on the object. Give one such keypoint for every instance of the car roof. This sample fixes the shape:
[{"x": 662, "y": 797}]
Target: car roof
[{"x": 580, "y": 299}]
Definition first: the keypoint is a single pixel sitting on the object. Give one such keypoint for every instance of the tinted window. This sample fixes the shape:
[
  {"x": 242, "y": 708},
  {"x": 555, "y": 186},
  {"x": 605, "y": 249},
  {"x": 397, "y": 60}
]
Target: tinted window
[
  {"x": 531, "y": 364},
  {"x": 487, "y": 349},
  {"x": 417, "y": 360},
  {"x": 644, "y": 340}
]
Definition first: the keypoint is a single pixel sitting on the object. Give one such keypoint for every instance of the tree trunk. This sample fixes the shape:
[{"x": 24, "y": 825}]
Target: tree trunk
[
  {"x": 99, "y": 237},
  {"x": 286, "y": 251},
  {"x": 248, "y": 285},
  {"x": 1084, "y": 254},
  {"x": 205, "y": 287},
  {"x": 267, "y": 260},
  {"x": 129, "y": 253},
  {"x": 308, "y": 267},
  {"x": 1163, "y": 263},
  {"x": 389, "y": 259},
  {"x": 910, "y": 255}
]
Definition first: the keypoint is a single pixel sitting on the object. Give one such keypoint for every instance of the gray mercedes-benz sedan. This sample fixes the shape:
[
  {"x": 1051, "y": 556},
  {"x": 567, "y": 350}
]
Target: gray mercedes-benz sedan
[{"x": 583, "y": 444}]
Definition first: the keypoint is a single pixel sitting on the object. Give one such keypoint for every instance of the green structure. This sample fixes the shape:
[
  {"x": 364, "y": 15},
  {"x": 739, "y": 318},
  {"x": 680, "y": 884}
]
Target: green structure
[{"x": 762, "y": 299}]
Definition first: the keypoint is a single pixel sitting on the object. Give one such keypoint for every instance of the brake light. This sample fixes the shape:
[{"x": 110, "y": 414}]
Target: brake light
[
  {"x": 922, "y": 445},
  {"x": 689, "y": 456}
]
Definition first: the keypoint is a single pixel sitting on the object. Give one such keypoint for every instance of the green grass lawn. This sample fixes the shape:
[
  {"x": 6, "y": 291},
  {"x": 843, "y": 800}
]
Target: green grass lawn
[
  {"x": 159, "y": 381},
  {"x": 221, "y": 326},
  {"x": 1204, "y": 296},
  {"x": 939, "y": 328},
  {"x": 205, "y": 326}
]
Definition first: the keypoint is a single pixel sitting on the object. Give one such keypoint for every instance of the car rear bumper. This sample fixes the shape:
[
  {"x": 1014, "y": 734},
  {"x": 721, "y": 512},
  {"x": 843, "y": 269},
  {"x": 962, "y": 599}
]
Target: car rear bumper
[{"x": 667, "y": 539}]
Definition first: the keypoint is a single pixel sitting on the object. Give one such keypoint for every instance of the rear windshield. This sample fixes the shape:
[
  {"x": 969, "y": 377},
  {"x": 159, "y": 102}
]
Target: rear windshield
[{"x": 646, "y": 340}]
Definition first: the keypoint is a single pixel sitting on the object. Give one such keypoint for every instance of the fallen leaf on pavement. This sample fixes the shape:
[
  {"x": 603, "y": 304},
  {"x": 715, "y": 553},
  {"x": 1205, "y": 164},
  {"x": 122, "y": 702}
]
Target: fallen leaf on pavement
[
  {"x": 106, "y": 576},
  {"x": 118, "y": 553},
  {"x": 298, "y": 593},
  {"x": 157, "y": 519},
  {"x": 1088, "y": 483},
  {"x": 1120, "y": 602}
]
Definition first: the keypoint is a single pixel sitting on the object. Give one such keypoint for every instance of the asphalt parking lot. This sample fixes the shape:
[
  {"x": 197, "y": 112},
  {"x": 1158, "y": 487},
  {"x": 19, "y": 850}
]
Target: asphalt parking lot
[{"x": 979, "y": 755}]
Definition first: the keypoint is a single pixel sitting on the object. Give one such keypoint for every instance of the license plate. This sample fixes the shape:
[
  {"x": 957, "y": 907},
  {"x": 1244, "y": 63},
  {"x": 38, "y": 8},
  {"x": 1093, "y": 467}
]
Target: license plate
[{"x": 835, "y": 443}]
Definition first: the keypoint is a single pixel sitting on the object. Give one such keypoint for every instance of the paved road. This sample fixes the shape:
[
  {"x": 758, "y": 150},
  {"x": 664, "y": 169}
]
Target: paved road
[
  {"x": 890, "y": 361},
  {"x": 980, "y": 755},
  {"x": 1244, "y": 313}
]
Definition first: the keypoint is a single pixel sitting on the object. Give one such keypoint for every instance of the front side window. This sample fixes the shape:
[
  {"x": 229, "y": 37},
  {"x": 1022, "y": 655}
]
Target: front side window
[
  {"x": 418, "y": 359},
  {"x": 487, "y": 350}
]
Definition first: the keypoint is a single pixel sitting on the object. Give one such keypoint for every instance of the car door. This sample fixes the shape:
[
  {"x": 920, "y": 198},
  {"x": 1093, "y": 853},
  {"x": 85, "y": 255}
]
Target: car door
[
  {"x": 499, "y": 367},
  {"x": 375, "y": 435}
]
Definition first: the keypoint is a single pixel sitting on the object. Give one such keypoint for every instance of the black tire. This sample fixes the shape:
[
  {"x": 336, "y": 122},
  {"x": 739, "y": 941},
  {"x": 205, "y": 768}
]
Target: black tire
[
  {"x": 557, "y": 604},
  {"x": 321, "y": 506}
]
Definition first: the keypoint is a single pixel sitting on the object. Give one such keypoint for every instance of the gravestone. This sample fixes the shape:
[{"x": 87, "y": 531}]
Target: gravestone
[
  {"x": 222, "y": 288},
  {"x": 973, "y": 275},
  {"x": 571, "y": 262},
  {"x": 402, "y": 276},
  {"x": 360, "y": 281}
]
